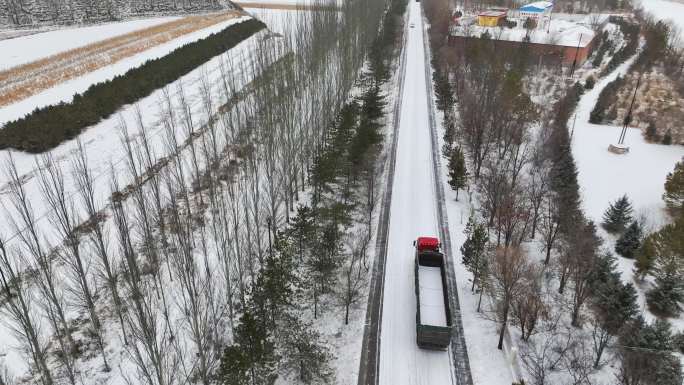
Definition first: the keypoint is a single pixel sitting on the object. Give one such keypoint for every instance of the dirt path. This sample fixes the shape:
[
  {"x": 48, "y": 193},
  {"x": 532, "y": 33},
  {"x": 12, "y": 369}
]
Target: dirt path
[{"x": 23, "y": 81}]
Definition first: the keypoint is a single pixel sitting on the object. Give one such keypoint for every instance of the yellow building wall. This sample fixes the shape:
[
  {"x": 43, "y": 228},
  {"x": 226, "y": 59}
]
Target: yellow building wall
[{"x": 487, "y": 21}]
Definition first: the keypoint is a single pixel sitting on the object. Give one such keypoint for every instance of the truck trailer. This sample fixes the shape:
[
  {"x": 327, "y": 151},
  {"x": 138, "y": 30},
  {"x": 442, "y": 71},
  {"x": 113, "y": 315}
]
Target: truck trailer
[{"x": 433, "y": 316}]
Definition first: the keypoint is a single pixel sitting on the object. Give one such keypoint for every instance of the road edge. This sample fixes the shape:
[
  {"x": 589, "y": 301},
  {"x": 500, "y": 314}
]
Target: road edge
[
  {"x": 459, "y": 351},
  {"x": 369, "y": 363}
]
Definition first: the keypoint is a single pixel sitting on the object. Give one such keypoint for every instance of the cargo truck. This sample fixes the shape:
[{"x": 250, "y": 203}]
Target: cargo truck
[{"x": 433, "y": 316}]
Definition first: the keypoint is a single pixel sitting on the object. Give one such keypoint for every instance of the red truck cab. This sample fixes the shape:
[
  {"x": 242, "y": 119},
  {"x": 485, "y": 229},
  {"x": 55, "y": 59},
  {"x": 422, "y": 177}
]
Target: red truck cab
[{"x": 426, "y": 243}]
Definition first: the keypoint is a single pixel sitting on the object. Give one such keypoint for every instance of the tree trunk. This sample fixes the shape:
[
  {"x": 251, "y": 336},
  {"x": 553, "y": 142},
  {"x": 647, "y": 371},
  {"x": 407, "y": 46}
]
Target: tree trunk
[{"x": 503, "y": 327}]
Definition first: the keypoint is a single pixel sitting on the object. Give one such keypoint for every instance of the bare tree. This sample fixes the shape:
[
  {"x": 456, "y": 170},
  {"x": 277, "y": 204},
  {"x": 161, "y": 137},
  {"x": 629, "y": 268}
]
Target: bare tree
[
  {"x": 97, "y": 232},
  {"x": 20, "y": 315},
  {"x": 39, "y": 259},
  {"x": 545, "y": 353},
  {"x": 65, "y": 220},
  {"x": 578, "y": 362},
  {"x": 196, "y": 292},
  {"x": 550, "y": 225},
  {"x": 353, "y": 277},
  {"x": 530, "y": 306},
  {"x": 537, "y": 189},
  {"x": 509, "y": 268}
]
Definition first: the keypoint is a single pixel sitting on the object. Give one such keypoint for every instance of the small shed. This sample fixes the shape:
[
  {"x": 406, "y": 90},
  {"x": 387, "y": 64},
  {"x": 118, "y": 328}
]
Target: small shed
[{"x": 490, "y": 18}]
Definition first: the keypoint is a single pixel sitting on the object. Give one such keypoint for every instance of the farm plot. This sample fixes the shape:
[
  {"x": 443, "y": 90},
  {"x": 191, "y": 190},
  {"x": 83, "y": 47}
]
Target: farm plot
[
  {"x": 23, "y": 81},
  {"x": 24, "y": 46}
]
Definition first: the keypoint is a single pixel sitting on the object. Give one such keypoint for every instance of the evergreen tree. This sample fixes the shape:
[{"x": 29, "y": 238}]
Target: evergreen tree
[
  {"x": 443, "y": 91},
  {"x": 322, "y": 265},
  {"x": 614, "y": 303},
  {"x": 668, "y": 270},
  {"x": 618, "y": 215},
  {"x": 303, "y": 353},
  {"x": 458, "y": 175},
  {"x": 665, "y": 298},
  {"x": 667, "y": 138},
  {"x": 674, "y": 189},
  {"x": 473, "y": 249},
  {"x": 251, "y": 359},
  {"x": 589, "y": 83},
  {"x": 629, "y": 242},
  {"x": 276, "y": 281},
  {"x": 302, "y": 230},
  {"x": 645, "y": 256},
  {"x": 368, "y": 133},
  {"x": 651, "y": 133},
  {"x": 646, "y": 354},
  {"x": 678, "y": 342}
]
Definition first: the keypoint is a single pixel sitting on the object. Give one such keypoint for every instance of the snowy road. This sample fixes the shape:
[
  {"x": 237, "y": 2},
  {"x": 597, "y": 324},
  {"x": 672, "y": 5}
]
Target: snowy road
[{"x": 413, "y": 212}]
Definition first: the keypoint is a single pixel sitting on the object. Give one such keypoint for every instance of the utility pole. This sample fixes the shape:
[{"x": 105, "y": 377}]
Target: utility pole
[
  {"x": 572, "y": 132},
  {"x": 574, "y": 61},
  {"x": 628, "y": 118}
]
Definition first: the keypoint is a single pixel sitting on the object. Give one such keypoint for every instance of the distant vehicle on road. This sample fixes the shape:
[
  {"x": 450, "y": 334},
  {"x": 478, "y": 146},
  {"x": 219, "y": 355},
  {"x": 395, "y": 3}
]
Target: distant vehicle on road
[
  {"x": 433, "y": 318},
  {"x": 412, "y": 25}
]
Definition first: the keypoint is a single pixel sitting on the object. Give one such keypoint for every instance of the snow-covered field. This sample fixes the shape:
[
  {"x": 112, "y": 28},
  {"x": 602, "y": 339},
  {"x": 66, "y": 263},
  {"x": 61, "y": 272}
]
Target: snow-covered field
[
  {"x": 640, "y": 174},
  {"x": 666, "y": 10},
  {"x": 65, "y": 91},
  {"x": 25, "y": 49},
  {"x": 277, "y": 20},
  {"x": 102, "y": 142},
  {"x": 604, "y": 176}
]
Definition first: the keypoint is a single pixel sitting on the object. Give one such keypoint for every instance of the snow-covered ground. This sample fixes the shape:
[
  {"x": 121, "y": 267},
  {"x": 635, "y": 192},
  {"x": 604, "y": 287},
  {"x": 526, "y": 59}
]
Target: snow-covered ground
[
  {"x": 104, "y": 148},
  {"x": 65, "y": 91},
  {"x": 244, "y": 3},
  {"x": 25, "y": 49},
  {"x": 488, "y": 365},
  {"x": 667, "y": 10},
  {"x": 604, "y": 176},
  {"x": 102, "y": 142},
  {"x": 277, "y": 20},
  {"x": 561, "y": 32},
  {"x": 413, "y": 213}
]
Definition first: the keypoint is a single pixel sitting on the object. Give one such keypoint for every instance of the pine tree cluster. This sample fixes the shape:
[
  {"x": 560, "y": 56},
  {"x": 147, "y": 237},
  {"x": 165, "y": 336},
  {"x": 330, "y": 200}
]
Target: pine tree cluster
[
  {"x": 661, "y": 254},
  {"x": 647, "y": 354}
]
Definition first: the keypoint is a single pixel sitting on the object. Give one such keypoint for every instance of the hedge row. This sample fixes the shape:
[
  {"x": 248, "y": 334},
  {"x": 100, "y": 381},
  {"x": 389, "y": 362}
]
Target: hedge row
[
  {"x": 630, "y": 31},
  {"x": 607, "y": 97},
  {"x": 45, "y": 128}
]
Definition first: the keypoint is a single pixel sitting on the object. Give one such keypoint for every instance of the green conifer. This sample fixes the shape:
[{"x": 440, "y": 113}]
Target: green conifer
[
  {"x": 458, "y": 174},
  {"x": 674, "y": 188},
  {"x": 630, "y": 241},
  {"x": 618, "y": 215}
]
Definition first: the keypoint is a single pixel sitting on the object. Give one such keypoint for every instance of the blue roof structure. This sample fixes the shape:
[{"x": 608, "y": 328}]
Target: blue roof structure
[{"x": 537, "y": 7}]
